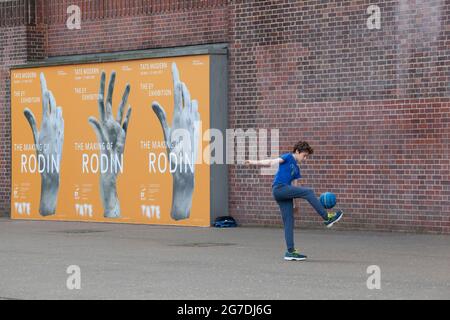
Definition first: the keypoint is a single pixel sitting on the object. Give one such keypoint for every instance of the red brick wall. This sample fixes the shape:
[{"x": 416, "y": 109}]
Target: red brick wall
[
  {"x": 177, "y": 27},
  {"x": 373, "y": 103},
  {"x": 13, "y": 50}
]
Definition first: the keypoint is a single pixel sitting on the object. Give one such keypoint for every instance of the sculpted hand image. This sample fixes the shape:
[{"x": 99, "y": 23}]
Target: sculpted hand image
[
  {"x": 49, "y": 143},
  {"x": 111, "y": 133},
  {"x": 182, "y": 144}
]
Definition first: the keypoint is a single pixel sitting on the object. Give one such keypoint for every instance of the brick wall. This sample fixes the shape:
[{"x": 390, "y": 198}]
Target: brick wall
[
  {"x": 13, "y": 50},
  {"x": 373, "y": 103},
  {"x": 163, "y": 26}
]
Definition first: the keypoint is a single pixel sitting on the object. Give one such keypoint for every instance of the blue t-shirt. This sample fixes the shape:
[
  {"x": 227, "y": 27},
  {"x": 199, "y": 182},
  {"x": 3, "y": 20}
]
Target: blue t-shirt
[{"x": 287, "y": 171}]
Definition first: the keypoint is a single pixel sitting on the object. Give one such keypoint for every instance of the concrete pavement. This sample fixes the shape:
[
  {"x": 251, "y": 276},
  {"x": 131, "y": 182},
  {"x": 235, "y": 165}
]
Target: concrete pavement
[{"x": 119, "y": 261}]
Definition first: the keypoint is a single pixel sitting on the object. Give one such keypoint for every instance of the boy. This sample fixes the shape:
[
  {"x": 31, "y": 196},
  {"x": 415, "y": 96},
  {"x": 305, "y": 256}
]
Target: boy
[{"x": 284, "y": 193}]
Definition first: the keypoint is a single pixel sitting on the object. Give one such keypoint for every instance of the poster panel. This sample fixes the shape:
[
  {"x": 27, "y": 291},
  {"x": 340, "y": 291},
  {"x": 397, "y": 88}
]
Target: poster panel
[{"x": 112, "y": 142}]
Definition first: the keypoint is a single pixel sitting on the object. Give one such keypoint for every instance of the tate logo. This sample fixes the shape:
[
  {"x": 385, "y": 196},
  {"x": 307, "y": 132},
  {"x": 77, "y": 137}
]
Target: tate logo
[
  {"x": 84, "y": 209},
  {"x": 151, "y": 212},
  {"x": 23, "y": 208}
]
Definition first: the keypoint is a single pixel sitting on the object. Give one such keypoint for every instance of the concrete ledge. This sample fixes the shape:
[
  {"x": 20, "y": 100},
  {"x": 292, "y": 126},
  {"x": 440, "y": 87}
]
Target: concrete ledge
[{"x": 212, "y": 49}]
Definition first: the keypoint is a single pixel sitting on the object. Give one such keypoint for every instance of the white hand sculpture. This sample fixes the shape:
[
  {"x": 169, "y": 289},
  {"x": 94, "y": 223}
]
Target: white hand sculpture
[
  {"x": 49, "y": 142},
  {"x": 112, "y": 132},
  {"x": 181, "y": 142}
]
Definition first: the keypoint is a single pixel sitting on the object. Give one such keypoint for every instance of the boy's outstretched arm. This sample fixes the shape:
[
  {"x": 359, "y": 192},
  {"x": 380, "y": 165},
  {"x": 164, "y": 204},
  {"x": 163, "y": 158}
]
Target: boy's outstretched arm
[{"x": 265, "y": 162}]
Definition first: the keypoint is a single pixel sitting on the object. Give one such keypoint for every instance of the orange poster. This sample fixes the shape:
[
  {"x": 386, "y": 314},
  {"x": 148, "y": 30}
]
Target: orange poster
[{"x": 112, "y": 142}]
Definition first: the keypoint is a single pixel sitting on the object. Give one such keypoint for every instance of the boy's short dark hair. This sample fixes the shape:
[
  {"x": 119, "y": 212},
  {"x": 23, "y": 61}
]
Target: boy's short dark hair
[{"x": 303, "y": 146}]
